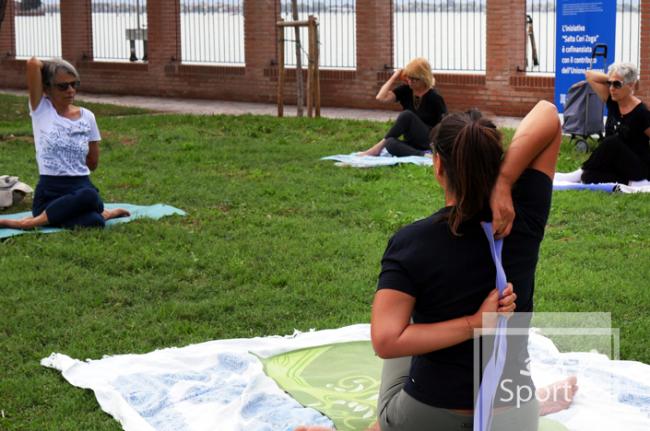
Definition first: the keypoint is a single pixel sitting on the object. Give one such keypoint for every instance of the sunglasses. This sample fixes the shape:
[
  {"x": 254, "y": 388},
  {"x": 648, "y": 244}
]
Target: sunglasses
[
  {"x": 413, "y": 78},
  {"x": 64, "y": 85},
  {"x": 615, "y": 84}
]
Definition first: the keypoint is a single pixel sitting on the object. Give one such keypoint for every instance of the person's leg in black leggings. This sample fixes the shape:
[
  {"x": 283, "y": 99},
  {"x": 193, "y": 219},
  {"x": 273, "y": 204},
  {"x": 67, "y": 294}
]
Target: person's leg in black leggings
[
  {"x": 613, "y": 161},
  {"x": 415, "y": 131},
  {"x": 72, "y": 210},
  {"x": 401, "y": 149}
]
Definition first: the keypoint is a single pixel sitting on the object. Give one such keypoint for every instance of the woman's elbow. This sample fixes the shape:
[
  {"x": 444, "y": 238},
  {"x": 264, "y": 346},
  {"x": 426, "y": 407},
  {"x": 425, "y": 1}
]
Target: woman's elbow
[{"x": 384, "y": 347}]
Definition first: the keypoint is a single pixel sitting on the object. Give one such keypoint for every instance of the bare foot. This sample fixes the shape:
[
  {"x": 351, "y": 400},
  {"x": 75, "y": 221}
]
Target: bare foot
[
  {"x": 375, "y": 150},
  {"x": 367, "y": 153},
  {"x": 14, "y": 223},
  {"x": 115, "y": 213},
  {"x": 25, "y": 223},
  {"x": 557, "y": 396}
]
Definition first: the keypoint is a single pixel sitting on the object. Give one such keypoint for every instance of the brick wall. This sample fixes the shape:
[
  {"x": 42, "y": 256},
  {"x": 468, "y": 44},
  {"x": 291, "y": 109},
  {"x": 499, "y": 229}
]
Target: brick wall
[{"x": 504, "y": 89}]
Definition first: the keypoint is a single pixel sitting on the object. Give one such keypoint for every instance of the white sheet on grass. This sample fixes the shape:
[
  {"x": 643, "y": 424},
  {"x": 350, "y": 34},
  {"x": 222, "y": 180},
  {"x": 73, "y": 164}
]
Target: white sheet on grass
[
  {"x": 353, "y": 160},
  {"x": 220, "y": 385}
]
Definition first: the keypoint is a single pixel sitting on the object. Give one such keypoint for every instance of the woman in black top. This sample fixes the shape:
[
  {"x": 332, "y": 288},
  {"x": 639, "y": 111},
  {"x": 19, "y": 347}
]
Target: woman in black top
[
  {"x": 624, "y": 155},
  {"x": 438, "y": 278},
  {"x": 423, "y": 109}
]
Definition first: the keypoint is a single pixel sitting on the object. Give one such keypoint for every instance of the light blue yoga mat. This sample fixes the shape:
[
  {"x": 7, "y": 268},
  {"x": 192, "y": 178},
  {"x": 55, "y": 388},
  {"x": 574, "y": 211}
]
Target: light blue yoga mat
[
  {"x": 137, "y": 211},
  {"x": 385, "y": 159},
  {"x": 600, "y": 187}
]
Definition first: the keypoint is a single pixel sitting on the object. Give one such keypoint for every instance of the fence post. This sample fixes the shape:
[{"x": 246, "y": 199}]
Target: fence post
[
  {"x": 164, "y": 41},
  {"x": 260, "y": 45},
  {"x": 8, "y": 32},
  {"x": 374, "y": 21},
  {"x": 76, "y": 31},
  {"x": 505, "y": 54},
  {"x": 644, "y": 48}
]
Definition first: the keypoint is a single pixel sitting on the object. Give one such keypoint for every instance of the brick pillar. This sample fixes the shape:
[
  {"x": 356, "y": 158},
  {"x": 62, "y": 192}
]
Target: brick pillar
[
  {"x": 374, "y": 35},
  {"x": 260, "y": 36},
  {"x": 164, "y": 36},
  {"x": 76, "y": 31},
  {"x": 8, "y": 32},
  {"x": 505, "y": 56},
  {"x": 644, "y": 84}
]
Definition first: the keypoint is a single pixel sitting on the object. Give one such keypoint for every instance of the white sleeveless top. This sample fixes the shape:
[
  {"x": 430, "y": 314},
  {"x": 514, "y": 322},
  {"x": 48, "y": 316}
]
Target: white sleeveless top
[{"x": 62, "y": 143}]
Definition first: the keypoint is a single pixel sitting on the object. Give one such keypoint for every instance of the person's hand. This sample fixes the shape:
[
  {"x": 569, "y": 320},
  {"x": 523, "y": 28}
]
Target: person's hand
[
  {"x": 503, "y": 212},
  {"x": 492, "y": 305},
  {"x": 397, "y": 75}
]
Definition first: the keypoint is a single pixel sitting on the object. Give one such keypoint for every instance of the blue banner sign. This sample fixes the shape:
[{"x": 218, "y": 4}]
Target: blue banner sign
[{"x": 581, "y": 25}]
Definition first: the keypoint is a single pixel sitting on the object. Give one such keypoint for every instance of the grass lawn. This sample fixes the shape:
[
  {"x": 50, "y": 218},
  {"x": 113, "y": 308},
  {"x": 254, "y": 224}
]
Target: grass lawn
[{"x": 274, "y": 240}]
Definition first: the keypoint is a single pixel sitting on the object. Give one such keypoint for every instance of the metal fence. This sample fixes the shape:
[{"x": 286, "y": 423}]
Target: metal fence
[
  {"x": 212, "y": 32},
  {"x": 38, "y": 29},
  {"x": 451, "y": 35},
  {"x": 543, "y": 16},
  {"x": 119, "y": 30},
  {"x": 336, "y": 32}
]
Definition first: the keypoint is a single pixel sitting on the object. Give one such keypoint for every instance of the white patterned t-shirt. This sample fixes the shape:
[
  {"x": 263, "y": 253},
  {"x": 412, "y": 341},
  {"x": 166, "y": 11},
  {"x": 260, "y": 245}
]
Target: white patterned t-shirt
[{"x": 62, "y": 143}]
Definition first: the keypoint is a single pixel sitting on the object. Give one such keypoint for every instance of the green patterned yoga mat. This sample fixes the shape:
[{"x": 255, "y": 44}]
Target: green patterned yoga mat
[{"x": 341, "y": 381}]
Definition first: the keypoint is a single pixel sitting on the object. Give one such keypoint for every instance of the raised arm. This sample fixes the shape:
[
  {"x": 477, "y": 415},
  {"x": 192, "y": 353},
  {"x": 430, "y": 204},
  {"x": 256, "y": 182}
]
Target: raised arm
[
  {"x": 536, "y": 145},
  {"x": 386, "y": 94},
  {"x": 598, "y": 82},
  {"x": 35, "y": 81}
]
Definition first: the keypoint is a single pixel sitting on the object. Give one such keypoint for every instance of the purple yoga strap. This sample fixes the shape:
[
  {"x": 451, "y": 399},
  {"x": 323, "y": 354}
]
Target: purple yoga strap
[{"x": 494, "y": 368}]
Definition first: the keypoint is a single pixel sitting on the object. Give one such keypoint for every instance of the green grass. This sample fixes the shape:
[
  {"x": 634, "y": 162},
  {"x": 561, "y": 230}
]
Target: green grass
[{"x": 274, "y": 240}]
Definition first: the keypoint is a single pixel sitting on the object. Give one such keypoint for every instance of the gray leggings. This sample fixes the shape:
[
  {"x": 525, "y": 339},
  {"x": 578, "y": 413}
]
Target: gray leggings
[{"x": 397, "y": 410}]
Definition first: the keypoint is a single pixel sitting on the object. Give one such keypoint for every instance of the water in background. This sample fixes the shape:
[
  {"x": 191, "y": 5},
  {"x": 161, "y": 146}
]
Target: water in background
[{"x": 452, "y": 41}]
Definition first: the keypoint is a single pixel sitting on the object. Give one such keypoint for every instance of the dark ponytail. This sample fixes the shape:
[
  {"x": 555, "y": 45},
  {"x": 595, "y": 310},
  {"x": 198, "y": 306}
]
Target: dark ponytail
[{"x": 470, "y": 150}]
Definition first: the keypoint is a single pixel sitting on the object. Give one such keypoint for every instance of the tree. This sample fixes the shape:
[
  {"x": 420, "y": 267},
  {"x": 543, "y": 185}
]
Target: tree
[{"x": 27, "y": 5}]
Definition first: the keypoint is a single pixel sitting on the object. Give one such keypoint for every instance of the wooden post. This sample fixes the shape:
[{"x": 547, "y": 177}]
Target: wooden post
[
  {"x": 310, "y": 68},
  {"x": 316, "y": 56},
  {"x": 313, "y": 84},
  {"x": 300, "y": 96},
  {"x": 281, "y": 71}
]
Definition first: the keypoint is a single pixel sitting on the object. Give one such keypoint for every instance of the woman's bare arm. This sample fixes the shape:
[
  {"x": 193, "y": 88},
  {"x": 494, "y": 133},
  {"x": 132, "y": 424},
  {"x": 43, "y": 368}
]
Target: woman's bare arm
[
  {"x": 386, "y": 94},
  {"x": 35, "y": 81},
  {"x": 92, "y": 159},
  {"x": 536, "y": 145},
  {"x": 598, "y": 82},
  {"x": 393, "y": 335}
]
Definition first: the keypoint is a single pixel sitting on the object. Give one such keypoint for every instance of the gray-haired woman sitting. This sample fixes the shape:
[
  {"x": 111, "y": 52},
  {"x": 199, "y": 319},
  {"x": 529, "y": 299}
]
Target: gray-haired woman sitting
[
  {"x": 624, "y": 155},
  {"x": 67, "y": 149}
]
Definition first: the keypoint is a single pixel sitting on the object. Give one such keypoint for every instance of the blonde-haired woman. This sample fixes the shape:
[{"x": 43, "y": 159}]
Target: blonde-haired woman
[{"x": 423, "y": 109}]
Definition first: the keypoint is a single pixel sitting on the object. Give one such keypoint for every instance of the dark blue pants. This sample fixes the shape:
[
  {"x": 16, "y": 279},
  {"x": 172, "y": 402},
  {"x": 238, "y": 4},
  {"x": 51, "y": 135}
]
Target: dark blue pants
[
  {"x": 69, "y": 202},
  {"x": 416, "y": 136}
]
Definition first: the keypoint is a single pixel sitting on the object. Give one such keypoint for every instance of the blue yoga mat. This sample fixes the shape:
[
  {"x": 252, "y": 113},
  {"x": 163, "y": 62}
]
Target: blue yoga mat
[
  {"x": 600, "y": 187},
  {"x": 137, "y": 211}
]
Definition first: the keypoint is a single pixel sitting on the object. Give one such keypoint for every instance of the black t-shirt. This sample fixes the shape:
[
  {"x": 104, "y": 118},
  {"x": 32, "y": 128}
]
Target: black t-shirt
[
  {"x": 630, "y": 127},
  {"x": 432, "y": 106},
  {"x": 450, "y": 276}
]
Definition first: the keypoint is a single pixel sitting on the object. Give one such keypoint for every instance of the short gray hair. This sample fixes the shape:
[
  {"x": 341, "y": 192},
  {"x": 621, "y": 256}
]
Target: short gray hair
[
  {"x": 627, "y": 71},
  {"x": 54, "y": 66}
]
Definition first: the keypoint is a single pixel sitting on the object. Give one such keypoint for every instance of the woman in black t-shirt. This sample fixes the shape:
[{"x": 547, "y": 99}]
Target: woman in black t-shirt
[
  {"x": 624, "y": 155},
  {"x": 423, "y": 109},
  {"x": 437, "y": 277}
]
